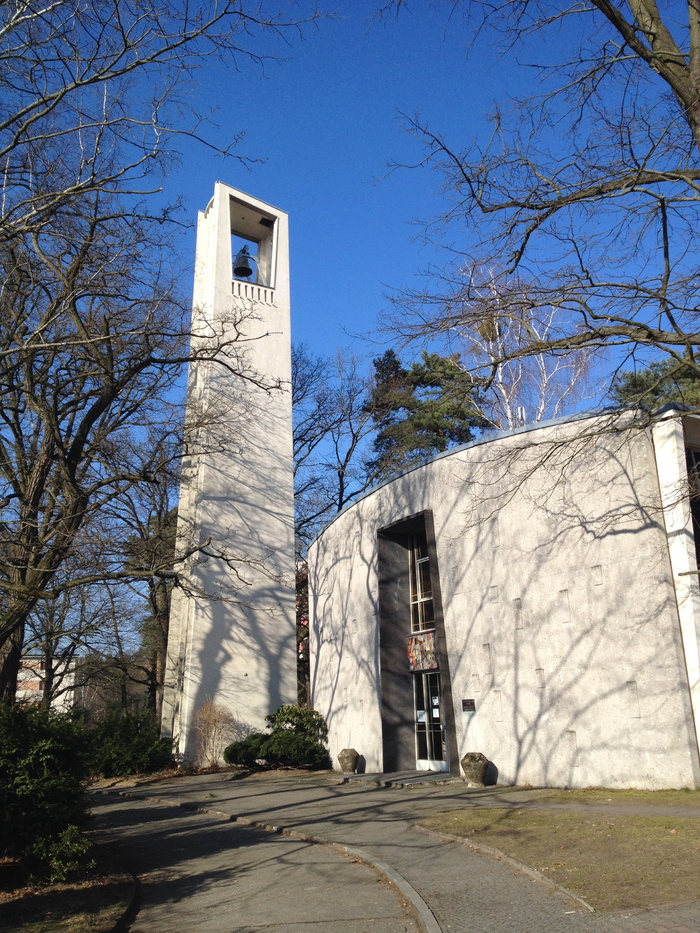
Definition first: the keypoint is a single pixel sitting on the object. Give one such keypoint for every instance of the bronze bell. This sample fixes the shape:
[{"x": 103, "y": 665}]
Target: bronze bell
[{"x": 242, "y": 268}]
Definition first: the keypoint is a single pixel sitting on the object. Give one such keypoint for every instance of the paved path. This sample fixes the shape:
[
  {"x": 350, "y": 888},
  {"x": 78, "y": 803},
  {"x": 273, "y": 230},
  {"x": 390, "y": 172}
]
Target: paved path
[{"x": 204, "y": 873}]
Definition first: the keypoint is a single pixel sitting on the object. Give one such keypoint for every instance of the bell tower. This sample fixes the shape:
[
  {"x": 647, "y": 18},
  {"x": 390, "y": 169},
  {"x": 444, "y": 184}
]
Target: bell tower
[{"x": 232, "y": 637}]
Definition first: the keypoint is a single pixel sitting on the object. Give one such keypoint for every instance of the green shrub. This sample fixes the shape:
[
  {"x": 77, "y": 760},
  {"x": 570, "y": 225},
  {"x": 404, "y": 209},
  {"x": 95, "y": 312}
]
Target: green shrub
[
  {"x": 299, "y": 719},
  {"x": 295, "y": 751},
  {"x": 129, "y": 744},
  {"x": 247, "y": 751},
  {"x": 43, "y": 763},
  {"x": 60, "y": 858},
  {"x": 296, "y": 741}
]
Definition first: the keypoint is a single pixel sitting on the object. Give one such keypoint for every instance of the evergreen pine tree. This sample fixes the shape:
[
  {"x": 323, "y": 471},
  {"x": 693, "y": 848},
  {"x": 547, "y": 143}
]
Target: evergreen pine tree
[{"x": 421, "y": 410}]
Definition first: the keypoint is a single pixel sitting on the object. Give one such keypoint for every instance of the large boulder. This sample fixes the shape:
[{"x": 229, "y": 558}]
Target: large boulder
[
  {"x": 475, "y": 765},
  {"x": 348, "y": 759}
]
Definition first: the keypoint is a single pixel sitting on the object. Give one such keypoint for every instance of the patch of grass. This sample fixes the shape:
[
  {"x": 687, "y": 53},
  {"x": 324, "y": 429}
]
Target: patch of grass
[
  {"x": 651, "y": 798},
  {"x": 613, "y": 862},
  {"x": 90, "y": 906}
]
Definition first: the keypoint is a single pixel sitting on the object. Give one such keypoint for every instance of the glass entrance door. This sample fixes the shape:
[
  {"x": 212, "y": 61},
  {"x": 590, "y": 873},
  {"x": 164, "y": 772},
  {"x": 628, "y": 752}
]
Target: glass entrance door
[{"x": 431, "y": 751}]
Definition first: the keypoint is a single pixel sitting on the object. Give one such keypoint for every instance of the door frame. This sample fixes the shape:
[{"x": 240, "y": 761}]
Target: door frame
[
  {"x": 430, "y": 763},
  {"x": 396, "y": 680}
]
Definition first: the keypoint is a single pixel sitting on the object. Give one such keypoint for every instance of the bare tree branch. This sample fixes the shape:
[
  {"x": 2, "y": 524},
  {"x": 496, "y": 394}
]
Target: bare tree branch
[
  {"x": 586, "y": 197},
  {"x": 94, "y": 330}
]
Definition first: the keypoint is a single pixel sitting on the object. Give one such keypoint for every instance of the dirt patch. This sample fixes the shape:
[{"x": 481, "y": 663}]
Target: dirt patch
[
  {"x": 167, "y": 774},
  {"x": 285, "y": 773},
  {"x": 613, "y": 862},
  {"x": 137, "y": 780}
]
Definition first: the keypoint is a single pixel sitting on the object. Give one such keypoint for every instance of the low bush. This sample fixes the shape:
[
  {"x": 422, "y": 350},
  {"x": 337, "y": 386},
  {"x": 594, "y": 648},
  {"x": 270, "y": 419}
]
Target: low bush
[
  {"x": 247, "y": 751},
  {"x": 299, "y": 719},
  {"x": 128, "y": 744},
  {"x": 44, "y": 760},
  {"x": 59, "y": 858},
  {"x": 296, "y": 741},
  {"x": 295, "y": 750}
]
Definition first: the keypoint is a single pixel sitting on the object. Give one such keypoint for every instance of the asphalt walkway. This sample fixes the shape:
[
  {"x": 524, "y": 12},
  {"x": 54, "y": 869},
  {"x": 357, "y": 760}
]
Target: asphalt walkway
[{"x": 221, "y": 854}]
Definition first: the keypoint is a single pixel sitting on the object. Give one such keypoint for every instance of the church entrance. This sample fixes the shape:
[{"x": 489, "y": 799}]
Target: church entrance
[
  {"x": 417, "y": 723},
  {"x": 431, "y": 746},
  {"x": 423, "y": 660}
]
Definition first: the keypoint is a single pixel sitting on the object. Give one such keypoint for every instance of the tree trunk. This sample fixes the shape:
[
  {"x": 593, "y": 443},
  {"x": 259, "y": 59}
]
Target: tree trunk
[
  {"x": 10, "y": 657},
  {"x": 161, "y": 602},
  {"x": 48, "y": 678},
  {"x": 124, "y": 693}
]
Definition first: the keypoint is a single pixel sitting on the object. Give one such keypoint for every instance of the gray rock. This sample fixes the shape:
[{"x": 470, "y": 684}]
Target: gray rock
[
  {"x": 475, "y": 766},
  {"x": 348, "y": 759}
]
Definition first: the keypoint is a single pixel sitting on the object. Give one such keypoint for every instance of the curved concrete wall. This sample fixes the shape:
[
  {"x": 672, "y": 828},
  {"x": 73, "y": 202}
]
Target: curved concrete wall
[{"x": 560, "y": 615}]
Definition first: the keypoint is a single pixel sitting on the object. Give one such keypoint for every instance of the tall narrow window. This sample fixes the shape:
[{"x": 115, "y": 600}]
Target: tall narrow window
[
  {"x": 427, "y": 694},
  {"x": 692, "y": 458},
  {"x": 418, "y": 729},
  {"x": 422, "y": 607}
]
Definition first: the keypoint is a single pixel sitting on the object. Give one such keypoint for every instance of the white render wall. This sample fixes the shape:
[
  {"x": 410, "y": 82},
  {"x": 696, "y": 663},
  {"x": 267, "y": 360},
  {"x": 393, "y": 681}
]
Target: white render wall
[
  {"x": 232, "y": 634},
  {"x": 559, "y": 609}
]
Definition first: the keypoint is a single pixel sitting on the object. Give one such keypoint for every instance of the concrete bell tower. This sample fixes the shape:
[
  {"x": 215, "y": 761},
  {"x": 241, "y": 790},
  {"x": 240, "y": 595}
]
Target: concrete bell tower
[{"x": 232, "y": 638}]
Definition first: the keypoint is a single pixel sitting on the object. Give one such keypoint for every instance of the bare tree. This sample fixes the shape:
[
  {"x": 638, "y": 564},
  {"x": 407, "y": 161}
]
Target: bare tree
[
  {"x": 586, "y": 193},
  {"x": 332, "y": 427},
  {"x": 522, "y": 389},
  {"x": 93, "y": 327},
  {"x": 84, "y": 636},
  {"x": 85, "y": 350},
  {"x": 57, "y": 631},
  {"x": 147, "y": 515},
  {"x": 216, "y": 727},
  {"x": 332, "y": 423},
  {"x": 94, "y": 93}
]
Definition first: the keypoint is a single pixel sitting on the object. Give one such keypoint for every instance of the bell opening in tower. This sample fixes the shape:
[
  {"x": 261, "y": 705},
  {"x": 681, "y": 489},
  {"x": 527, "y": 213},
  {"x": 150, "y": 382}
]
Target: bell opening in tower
[{"x": 253, "y": 244}]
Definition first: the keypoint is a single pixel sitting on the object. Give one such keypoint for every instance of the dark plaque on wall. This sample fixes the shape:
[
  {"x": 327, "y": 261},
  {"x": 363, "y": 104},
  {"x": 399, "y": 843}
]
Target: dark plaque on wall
[{"x": 468, "y": 706}]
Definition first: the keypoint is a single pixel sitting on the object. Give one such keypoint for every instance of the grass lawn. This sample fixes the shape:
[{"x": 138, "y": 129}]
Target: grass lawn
[
  {"x": 613, "y": 861},
  {"x": 637, "y": 798}
]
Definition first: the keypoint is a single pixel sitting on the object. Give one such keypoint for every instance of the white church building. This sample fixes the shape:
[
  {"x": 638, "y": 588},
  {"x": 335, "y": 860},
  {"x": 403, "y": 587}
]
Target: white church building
[{"x": 533, "y": 596}]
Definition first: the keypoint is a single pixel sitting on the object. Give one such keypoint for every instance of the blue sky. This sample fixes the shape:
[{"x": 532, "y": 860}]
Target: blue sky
[{"x": 327, "y": 122}]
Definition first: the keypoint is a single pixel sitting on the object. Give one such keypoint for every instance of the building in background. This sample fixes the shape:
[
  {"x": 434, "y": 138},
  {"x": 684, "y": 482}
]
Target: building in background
[
  {"x": 532, "y": 596},
  {"x": 31, "y": 682}
]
